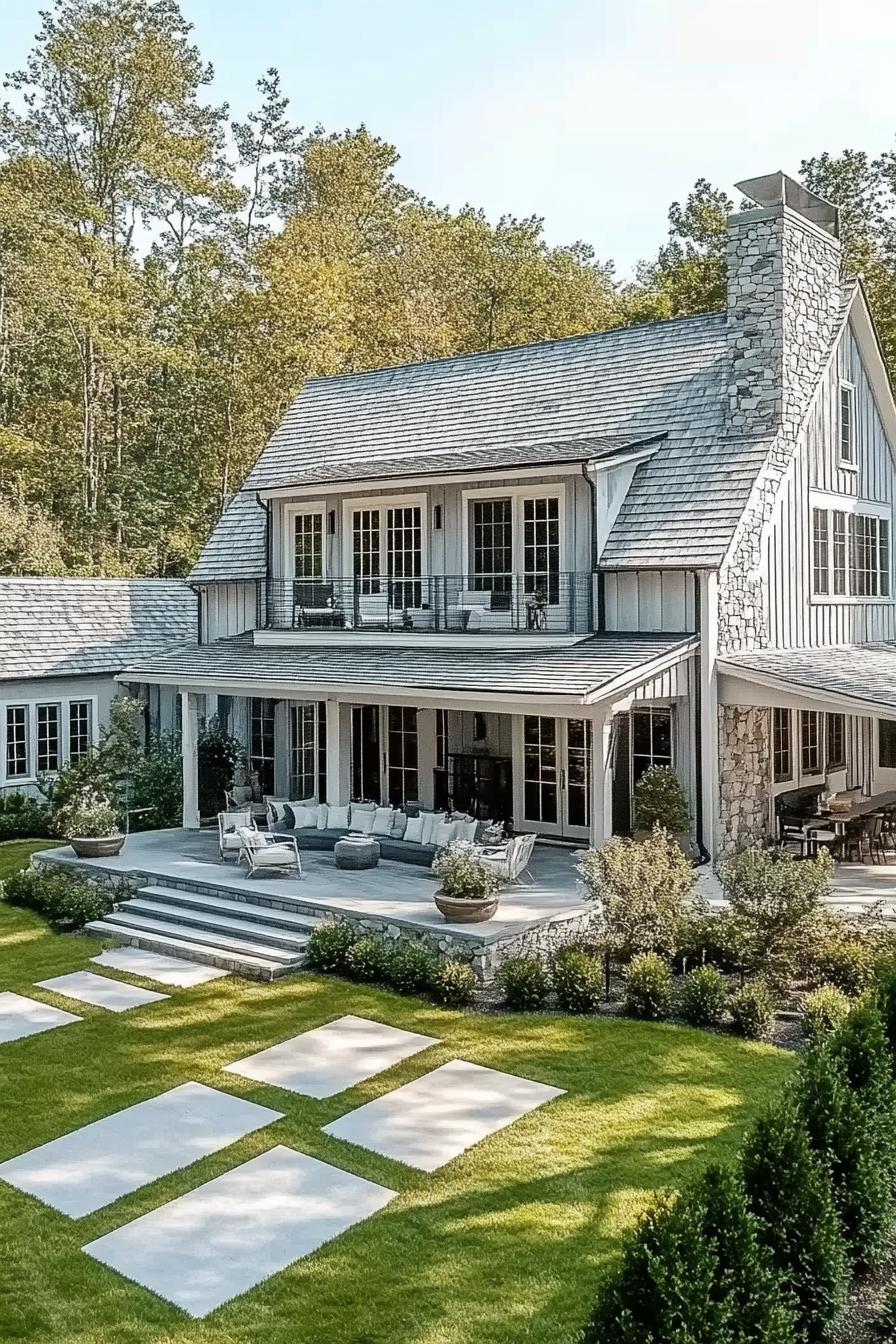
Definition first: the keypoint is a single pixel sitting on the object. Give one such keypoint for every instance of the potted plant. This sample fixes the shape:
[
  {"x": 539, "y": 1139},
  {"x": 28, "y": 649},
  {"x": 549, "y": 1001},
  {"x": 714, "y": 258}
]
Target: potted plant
[
  {"x": 90, "y": 825},
  {"x": 468, "y": 893},
  {"x": 659, "y": 801}
]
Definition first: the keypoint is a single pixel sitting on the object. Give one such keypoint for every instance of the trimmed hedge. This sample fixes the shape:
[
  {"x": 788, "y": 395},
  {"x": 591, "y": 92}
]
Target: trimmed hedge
[
  {"x": 648, "y": 987},
  {"x": 336, "y": 948},
  {"x": 524, "y": 983},
  {"x": 752, "y": 1009},
  {"x": 702, "y": 996},
  {"x": 24, "y": 818},
  {"x": 578, "y": 980},
  {"x": 66, "y": 900}
]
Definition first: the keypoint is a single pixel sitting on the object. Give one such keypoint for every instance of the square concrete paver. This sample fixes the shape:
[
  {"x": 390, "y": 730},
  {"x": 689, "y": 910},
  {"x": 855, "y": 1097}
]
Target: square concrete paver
[
  {"x": 93, "y": 1165},
  {"x": 100, "y": 991},
  {"x": 428, "y": 1122},
  {"x": 156, "y": 966},
  {"x": 331, "y": 1058},
  {"x": 26, "y": 1017},
  {"x": 225, "y": 1237}
]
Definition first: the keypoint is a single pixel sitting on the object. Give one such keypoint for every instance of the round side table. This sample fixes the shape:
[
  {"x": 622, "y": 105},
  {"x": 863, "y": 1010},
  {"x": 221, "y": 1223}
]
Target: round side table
[{"x": 356, "y": 854}]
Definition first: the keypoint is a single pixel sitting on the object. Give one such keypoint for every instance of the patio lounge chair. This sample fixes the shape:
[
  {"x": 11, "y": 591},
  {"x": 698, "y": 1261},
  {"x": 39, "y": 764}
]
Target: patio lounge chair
[
  {"x": 266, "y": 853},
  {"x": 229, "y": 826},
  {"x": 510, "y": 862}
]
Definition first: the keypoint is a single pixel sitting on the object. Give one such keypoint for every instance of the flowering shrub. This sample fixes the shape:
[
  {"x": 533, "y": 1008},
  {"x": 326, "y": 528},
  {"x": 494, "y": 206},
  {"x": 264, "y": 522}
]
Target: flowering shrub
[
  {"x": 88, "y": 814},
  {"x": 644, "y": 893},
  {"x": 464, "y": 875}
]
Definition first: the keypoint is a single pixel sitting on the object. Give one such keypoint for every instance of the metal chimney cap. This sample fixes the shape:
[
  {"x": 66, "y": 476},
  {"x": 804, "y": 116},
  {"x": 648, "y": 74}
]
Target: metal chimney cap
[{"x": 779, "y": 189}]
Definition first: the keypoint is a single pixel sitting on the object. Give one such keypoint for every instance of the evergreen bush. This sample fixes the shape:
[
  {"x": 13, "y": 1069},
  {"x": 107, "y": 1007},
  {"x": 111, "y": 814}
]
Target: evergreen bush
[
  {"x": 367, "y": 958},
  {"x": 23, "y": 818},
  {"x": 823, "y": 1012},
  {"x": 752, "y": 1009},
  {"x": 524, "y": 983},
  {"x": 862, "y": 1048},
  {"x": 453, "y": 982},
  {"x": 702, "y": 996},
  {"x": 790, "y": 1193},
  {"x": 578, "y": 980},
  {"x": 648, "y": 987},
  {"x": 410, "y": 967},
  {"x": 328, "y": 946},
  {"x": 846, "y": 963},
  {"x": 774, "y": 901},
  {"x": 659, "y": 800},
  {"x": 66, "y": 900}
]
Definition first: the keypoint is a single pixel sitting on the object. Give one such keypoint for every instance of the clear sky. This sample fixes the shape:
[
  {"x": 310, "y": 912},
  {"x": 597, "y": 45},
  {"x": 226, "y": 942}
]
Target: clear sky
[{"x": 594, "y": 115}]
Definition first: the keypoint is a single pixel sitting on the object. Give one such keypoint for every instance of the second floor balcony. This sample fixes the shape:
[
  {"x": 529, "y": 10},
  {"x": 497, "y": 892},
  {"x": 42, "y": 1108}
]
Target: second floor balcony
[{"x": 558, "y": 603}]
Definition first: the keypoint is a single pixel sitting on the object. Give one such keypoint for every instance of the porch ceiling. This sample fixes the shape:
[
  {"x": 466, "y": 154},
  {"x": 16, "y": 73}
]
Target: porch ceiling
[
  {"x": 581, "y": 673},
  {"x": 856, "y": 677}
]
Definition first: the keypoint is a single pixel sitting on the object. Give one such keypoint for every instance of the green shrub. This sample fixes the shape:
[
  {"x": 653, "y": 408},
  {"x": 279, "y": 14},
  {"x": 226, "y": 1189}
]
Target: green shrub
[
  {"x": 843, "y": 1136},
  {"x": 328, "y": 946},
  {"x": 885, "y": 998},
  {"x": 66, "y": 900},
  {"x": 773, "y": 903},
  {"x": 648, "y": 987},
  {"x": 846, "y": 963},
  {"x": 410, "y": 967},
  {"x": 790, "y": 1193},
  {"x": 156, "y": 794},
  {"x": 862, "y": 1048},
  {"x": 752, "y": 1009},
  {"x": 367, "y": 958},
  {"x": 578, "y": 980},
  {"x": 453, "y": 982},
  {"x": 23, "y": 818},
  {"x": 885, "y": 1325},
  {"x": 702, "y": 996},
  {"x": 524, "y": 983},
  {"x": 644, "y": 890},
  {"x": 823, "y": 1012},
  {"x": 463, "y": 873},
  {"x": 659, "y": 800},
  {"x": 704, "y": 937}
]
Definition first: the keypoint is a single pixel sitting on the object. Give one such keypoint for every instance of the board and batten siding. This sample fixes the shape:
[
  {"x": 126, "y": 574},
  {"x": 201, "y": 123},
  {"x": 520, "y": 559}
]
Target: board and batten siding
[
  {"x": 227, "y": 609},
  {"x": 655, "y": 600},
  {"x": 795, "y": 618}
]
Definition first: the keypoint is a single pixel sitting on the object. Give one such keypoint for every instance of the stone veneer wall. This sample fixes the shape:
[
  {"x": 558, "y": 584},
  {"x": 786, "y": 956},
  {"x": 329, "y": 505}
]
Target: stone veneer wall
[
  {"x": 744, "y": 776},
  {"x": 783, "y": 311}
]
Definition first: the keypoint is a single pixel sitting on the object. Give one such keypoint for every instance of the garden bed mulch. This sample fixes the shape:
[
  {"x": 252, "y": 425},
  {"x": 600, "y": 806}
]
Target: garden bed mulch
[{"x": 858, "y": 1324}]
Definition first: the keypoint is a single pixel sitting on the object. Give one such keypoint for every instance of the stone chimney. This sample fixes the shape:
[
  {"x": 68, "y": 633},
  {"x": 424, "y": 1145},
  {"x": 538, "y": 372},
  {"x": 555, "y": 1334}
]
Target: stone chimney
[{"x": 783, "y": 302}]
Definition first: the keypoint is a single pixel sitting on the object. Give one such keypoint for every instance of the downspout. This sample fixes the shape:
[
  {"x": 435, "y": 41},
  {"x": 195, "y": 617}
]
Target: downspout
[
  {"x": 596, "y": 573},
  {"x": 705, "y": 856},
  {"x": 266, "y": 505}
]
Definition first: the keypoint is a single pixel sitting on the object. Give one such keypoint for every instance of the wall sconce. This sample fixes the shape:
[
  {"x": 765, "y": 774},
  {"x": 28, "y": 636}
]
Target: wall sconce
[
  {"x": 437, "y": 518},
  {"x": 331, "y": 522}
]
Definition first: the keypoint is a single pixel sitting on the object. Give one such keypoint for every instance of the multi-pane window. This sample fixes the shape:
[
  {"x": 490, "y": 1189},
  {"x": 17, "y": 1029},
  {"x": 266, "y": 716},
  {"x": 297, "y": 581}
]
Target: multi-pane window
[
  {"x": 441, "y": 739},
  {"x": 810, "y": 742},
  {"x": 578, "y": 771},
  {"x": 847, "y": 424},
  {"x": 79, "y": 729},
  {"x": 782, "y": 745},
  {"x": 303, "y": 762},
  {"x": 541, "y": 547},
  {"x": 261, "y": 742},
  {"x": 321, "y": 750},
  {"x": 887, "y": 744},
  {"x": 404, "y": 532},
  {"x": 835, "y": 741},
  {"x": 309, "y": 545},
  {"x": 16, "y": 741},
  {"x": 366, "y": 549},
  {"x": 820, "y": 551},
  {"x": 651, "y": 740},
  {"x": 492, "y": 541},
  {"x": 401, "y": 728},
  {"x": 47, "y": 718},
  {"x": 540, "y": 773},
  {"x": 856, "y": 563}
]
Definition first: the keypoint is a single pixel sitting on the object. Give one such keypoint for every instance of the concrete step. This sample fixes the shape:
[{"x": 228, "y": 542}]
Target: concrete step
[
  {"x": 228, "y": 942},
  {"x": 230, "y": 906},
  {"x": 211, "y": 922},
  {"x": 253, "y": 968}
]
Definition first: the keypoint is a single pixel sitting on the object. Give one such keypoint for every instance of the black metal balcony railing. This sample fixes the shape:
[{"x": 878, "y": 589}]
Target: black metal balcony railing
[{"x": 475, "y": 603}]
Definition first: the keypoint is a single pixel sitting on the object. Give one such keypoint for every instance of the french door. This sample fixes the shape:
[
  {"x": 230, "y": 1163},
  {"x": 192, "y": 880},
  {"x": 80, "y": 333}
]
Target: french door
[
  {"x": 387, "y": 553},
  {"x": 385, "y": 754},
  {"x": 515, "y": 553},
  {"x": 554, "y": 796}
]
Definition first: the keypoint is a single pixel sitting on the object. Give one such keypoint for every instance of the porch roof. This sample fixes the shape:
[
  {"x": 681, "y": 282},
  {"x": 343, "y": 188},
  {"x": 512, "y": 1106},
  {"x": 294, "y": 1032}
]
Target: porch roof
[
  {"x": 860, "y": 677},
  {"x": 580, "y": 673}
]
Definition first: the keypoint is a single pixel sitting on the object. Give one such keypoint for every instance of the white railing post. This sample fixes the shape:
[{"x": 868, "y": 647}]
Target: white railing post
[{"x": 189, "y": 740}]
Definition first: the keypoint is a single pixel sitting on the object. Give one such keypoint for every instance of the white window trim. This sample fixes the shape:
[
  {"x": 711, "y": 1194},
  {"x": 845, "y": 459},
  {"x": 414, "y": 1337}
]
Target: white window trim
[
  {"x": 848, "y": 504},
  {"x": 290, "y": 513},
  {"x": 383, "y": 502},
  {"x": 31, "y": 704},
  {"x": 516, "y": 494},
  {"x": 846, "y": 463}
]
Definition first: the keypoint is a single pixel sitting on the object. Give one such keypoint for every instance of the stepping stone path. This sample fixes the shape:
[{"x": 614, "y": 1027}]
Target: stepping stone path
[
  {"x": 111, "y": 1157},
  {"x": 227, "y": 1236},
  {"x": 329, "y": 1059},
  {"x": 155, "y": 966},
  {"x": 20, "y": 1017},
  {"x": 100, "y": 990},
  {"x": 428, "y": 1122}
]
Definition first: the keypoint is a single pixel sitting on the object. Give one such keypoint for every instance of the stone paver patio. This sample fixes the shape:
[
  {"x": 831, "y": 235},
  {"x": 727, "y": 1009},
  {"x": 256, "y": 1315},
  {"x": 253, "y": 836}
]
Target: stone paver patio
[{"x": 20, "y": 1017}]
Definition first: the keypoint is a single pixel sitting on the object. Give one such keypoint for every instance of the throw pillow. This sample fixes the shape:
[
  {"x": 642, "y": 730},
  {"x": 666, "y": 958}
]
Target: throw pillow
[
  {"x": 413, "y": 832},
  {"x": 323, "y": 817},
  {"x": 465, "y": 830},
  {"x": 382, "y": 821},
  {"x": 364, "y": 807},
  {"x": 277, "y": 810},
  {"x": 362, "y": 822},
  {"x": 337, "y": 818},
  {"x": 302, "y": 815},
  {"x": 429, "y": 821},
  {"x": 442, "y": 833},
  {"x": 399, "y": 825}
]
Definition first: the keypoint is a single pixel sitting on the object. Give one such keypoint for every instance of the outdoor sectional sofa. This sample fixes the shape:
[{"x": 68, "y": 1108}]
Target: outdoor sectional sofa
[{"x": 315, "y": 831}]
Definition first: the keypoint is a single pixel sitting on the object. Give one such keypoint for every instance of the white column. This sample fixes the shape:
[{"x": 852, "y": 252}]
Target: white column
[
  {"x": 282, "y": 747},
  {"x": 189, "y": 731},
  {"x": 337, "y": 758},
  {"x": 708, "y": 765},
  {"x": 426, "y": 756},
  {"x": 601, "y": 779}
]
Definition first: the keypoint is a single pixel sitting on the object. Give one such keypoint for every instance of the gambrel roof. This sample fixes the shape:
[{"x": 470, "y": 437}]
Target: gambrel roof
[{"x": 82, "y": 627}]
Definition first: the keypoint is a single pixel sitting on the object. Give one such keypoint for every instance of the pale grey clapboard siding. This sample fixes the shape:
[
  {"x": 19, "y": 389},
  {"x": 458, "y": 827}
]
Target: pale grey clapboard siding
[
  {"x": 795, "y": 620},
  {"x": 660, "y": 600}
]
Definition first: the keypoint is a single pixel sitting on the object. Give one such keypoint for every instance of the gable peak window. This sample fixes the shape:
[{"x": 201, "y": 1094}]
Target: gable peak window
[{"x": 847, "y": 427}]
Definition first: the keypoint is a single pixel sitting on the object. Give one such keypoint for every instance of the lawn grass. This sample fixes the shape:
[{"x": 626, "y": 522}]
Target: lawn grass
[{"x": 503, "y": 1245}]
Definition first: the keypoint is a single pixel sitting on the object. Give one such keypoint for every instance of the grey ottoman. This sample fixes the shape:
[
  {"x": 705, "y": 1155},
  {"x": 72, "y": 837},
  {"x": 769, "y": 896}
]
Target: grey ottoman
[{"x": 356, "y": 852}]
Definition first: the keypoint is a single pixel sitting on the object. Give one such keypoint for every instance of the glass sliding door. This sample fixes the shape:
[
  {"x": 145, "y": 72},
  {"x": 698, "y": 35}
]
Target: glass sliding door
[
  {"x": 578, "y": 775},
  {"x": 404, "y": 555},
  {"x": 303, "y": 756},
  {"x": 387, "y": 557},
  {"x": 366, "y": 547}
]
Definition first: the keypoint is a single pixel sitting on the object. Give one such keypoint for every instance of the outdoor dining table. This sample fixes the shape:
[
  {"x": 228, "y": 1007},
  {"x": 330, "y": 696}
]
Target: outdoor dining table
[{"x": 863, "y": 807}]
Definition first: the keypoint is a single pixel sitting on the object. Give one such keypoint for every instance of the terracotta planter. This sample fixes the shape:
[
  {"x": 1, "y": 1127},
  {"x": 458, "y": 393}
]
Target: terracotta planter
[
  {"x": 457, "y": 911},
  {"x": 96, "y": 846}
]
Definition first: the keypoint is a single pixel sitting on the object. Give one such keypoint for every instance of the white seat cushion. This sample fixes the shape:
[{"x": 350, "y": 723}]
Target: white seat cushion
[
  {"x": 442, "y": 833},
  {"x": 337, "y": 818},
  {"x": 382, "y": 821},
  {"x": 430, "y": 820},
  {"x": 413, "y": 832},
  {"x": 465, "y": 830},
  {"x": 362, "y": 822}
]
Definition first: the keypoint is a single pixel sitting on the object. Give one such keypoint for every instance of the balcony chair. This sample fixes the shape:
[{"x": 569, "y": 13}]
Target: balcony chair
[
  {"x": 229, "y": 826},
  {"x": 510, "y": 861},
  {"x": 267, "y": 853}
]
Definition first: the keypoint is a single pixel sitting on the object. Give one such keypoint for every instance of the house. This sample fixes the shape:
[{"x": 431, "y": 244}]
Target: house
[
  {"x": 62, "y": 644},
  {"x": 511, "y": 581}
]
